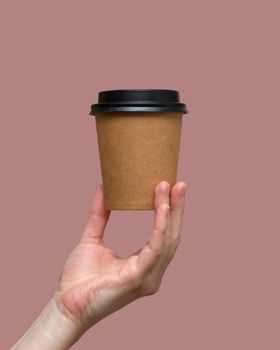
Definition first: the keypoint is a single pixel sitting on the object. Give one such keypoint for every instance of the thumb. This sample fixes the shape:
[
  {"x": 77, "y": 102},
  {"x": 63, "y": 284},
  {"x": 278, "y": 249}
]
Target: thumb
[{"x": 97, "y": 220}]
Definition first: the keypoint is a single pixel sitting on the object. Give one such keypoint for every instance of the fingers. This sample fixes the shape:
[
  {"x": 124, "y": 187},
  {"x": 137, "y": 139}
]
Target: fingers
[
  {"x": 165, "y": 236},
  {"x": 155, "y": 246},
  {"x": 161, "y": 193},
  {"x": 98, "y": 218},
  {"x": 156, "y": 242},
  {"x": 173, "y": 234},
  {"x": 177, "y": 205},
  {"x": 176, "y": 199}
]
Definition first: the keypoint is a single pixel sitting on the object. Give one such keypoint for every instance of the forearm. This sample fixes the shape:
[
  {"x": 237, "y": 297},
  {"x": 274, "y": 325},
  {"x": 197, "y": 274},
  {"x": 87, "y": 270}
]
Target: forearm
[{"x": 51, "y": 331}]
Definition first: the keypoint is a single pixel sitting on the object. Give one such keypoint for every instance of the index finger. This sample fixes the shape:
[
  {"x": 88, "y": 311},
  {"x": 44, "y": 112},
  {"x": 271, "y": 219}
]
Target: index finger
[{"x": 151, "y": 252}]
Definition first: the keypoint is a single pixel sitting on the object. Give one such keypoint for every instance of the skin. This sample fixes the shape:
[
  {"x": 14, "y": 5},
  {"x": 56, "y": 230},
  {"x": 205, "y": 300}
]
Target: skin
[{"x": 95, "y": 281}]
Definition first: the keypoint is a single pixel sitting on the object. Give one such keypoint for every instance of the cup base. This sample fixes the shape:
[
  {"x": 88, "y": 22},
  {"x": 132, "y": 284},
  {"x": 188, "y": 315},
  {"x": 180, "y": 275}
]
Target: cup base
[{"x": 135, "y": 206}]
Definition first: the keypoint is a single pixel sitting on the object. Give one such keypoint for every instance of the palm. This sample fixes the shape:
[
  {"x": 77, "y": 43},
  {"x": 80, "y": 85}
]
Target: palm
[
  {"x": 95, "y": 275},
  {"x": 95, "y": 264}
]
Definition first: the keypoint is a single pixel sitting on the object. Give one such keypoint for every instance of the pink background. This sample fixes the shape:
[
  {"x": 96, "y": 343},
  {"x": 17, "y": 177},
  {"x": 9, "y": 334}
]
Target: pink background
[{"x": 221, "y": 291}]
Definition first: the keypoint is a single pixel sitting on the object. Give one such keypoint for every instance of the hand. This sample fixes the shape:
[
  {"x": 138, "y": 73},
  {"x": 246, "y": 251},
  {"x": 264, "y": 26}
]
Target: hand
[{"x": 95, "y": 281}]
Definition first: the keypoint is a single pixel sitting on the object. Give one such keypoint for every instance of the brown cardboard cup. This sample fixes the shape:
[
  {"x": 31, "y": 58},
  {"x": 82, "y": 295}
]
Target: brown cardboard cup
[
  {"x": 138, "y": 133},
  {"x": 137, "y": 151}
]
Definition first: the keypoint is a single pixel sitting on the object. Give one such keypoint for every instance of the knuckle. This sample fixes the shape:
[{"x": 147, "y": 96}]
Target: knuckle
[
  {"x": 136, "y": 282},
  {"x": 160, "y": 231},
  {"x": 146, "y": 285},
  {"x": 150, "y": 289},
  {"x": 157, "y": 251}
]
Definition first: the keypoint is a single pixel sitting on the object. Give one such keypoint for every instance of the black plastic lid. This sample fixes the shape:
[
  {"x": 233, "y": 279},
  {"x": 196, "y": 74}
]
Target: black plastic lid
[{"x": 138, "y": 100}]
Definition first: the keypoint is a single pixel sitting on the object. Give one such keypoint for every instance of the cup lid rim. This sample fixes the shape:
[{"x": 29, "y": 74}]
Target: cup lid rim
[{"x": 138, "y": 100}]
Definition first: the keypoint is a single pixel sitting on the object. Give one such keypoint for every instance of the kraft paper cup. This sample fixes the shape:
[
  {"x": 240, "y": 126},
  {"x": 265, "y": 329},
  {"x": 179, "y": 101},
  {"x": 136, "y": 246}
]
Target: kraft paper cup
[{"x": 137, "y": 150}]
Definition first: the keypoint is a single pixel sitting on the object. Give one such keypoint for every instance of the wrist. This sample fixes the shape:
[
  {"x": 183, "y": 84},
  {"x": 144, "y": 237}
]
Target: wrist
[{"x": 51, "y": 330}]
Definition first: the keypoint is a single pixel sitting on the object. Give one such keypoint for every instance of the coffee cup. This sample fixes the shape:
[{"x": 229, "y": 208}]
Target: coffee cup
[{"x": 138, "y": 135}]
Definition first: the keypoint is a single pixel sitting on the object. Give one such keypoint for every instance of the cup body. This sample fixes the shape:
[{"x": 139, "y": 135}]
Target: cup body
[{"x": 137, "y": 150}]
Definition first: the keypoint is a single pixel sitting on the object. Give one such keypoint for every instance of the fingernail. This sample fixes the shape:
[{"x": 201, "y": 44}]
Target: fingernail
[{"x": 183, "y": 191}]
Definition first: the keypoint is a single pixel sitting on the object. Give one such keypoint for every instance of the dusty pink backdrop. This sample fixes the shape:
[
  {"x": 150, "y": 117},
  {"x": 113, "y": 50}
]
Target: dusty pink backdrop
[{"x": 222, "y": 289}]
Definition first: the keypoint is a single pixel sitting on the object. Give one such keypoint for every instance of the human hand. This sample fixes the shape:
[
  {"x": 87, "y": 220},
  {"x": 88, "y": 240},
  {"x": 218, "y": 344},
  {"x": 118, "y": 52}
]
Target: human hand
[{"x": 95, "y": 281}]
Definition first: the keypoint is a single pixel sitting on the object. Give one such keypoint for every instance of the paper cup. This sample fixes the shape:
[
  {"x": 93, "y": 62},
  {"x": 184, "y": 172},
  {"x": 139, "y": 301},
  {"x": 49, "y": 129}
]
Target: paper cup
[{"x": 137, "y": 150}]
